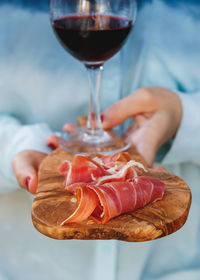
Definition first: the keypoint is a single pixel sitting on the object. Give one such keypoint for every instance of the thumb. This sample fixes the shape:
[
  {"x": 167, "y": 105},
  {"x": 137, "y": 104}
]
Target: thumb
[
  {"x": 31, "y": 180},
  {"x": 25, "y": 166},
  {"x": 26, "y": 174}
]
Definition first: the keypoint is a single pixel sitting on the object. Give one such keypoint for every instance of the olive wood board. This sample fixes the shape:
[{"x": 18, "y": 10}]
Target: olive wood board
[{"x": 53, "y": 203}]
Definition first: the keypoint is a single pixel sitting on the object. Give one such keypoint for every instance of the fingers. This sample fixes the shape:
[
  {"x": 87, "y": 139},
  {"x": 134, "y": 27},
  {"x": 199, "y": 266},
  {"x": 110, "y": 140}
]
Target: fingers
[
  {"x": 82, "y": 121},
  {"x": 25, "y": 166},
  {"x": 69, "y": 128},
  {"x": 137, "y": 103},
  {"x": 52, "y": 142},
  {"x": 118, "y": 113}
]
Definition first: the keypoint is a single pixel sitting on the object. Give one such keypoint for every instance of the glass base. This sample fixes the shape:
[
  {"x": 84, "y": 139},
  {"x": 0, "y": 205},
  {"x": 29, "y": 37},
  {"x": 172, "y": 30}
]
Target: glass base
[{"x": 91, "y": 142}]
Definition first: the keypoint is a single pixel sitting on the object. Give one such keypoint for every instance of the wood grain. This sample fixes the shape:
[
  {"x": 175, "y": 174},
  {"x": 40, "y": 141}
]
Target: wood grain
[{"x": 53, "y": 203}]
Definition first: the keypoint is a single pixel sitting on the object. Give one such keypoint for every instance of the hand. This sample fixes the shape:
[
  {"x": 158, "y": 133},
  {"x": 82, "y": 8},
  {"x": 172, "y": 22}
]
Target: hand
[
  {"x": 26, "y": 163},
  {"x": 25, "y": 166},
  {"x": 157, "y": 116}
]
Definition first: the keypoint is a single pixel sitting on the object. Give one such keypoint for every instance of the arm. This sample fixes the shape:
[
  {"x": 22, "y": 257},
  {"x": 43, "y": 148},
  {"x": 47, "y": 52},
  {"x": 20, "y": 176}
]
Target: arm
[{"x": 15, "y": 138}]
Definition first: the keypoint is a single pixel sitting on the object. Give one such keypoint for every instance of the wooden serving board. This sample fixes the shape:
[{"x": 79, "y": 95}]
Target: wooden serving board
[{"x": 53, "y": 203}]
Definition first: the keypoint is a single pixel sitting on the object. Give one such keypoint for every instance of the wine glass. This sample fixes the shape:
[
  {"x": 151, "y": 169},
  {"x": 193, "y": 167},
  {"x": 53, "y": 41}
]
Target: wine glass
[{"x": 92, "y": 31}]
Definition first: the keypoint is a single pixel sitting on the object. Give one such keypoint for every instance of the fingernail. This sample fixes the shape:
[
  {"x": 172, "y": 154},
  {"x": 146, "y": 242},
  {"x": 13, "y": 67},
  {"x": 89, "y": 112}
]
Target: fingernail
[
  {"x": 27, "y": 182},
  {"x": 51, "y": 146},
  {"x": 102, "y": 117}
]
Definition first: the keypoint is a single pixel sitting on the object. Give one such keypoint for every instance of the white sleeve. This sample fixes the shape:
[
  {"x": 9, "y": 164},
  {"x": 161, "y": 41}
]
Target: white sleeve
[
  {"x": 14, "y": 138},
  {"x": 186, "y": 144}
]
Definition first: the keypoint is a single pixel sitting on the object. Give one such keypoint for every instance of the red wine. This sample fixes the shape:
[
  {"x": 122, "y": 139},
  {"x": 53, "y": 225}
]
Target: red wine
[{"x": 92, "y": 38}]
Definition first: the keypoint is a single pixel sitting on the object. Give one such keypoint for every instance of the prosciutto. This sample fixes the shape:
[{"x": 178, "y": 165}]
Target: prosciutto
[
  {"x": 81, "y": 170},
  {"x": 122, "y": 197},
  {"x": 106, "y": 187}
]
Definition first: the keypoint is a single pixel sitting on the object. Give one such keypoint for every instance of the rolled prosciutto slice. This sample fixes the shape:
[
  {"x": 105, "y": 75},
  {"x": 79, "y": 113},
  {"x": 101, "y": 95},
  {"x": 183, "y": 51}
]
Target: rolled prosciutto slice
[
  {"x": 87, "y": 202},
  {"x": 109, "y": 200}
]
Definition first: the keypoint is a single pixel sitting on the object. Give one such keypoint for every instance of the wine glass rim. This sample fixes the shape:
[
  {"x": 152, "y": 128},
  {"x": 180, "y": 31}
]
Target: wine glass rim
[
  {"x": 71, "y": 15},
  {"x": 131, "y": 18}
]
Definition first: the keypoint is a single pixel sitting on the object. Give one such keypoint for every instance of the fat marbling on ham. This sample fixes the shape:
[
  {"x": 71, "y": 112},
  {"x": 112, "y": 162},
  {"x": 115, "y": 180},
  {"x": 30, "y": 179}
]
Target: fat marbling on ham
[{"x": 107, "y": 186}]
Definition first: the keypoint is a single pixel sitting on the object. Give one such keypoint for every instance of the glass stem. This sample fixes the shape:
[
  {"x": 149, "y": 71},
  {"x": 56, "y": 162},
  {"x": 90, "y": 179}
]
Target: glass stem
[{"x": 94, "y": 118}]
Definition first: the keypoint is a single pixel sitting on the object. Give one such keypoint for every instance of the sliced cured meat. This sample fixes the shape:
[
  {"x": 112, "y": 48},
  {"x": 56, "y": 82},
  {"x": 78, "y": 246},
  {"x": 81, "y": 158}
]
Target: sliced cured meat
[
  {"x": 112, "y": 199},
  {"x": 114, "y": 162},
  {"x": 121, "y": 197},
  {"x": 81, "y": 169},
  {"x": 73, "y": 187},
  {"x": 85, "y": 170},
  {"x": 121, "y": 175},
  {"x": 87, "y": 202},
  {"x": 65, "y": 169},
  {"x": 106, "y": 187},
  {"x": 157, "y": 192},
  {"x": 121, "y": 157}
]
